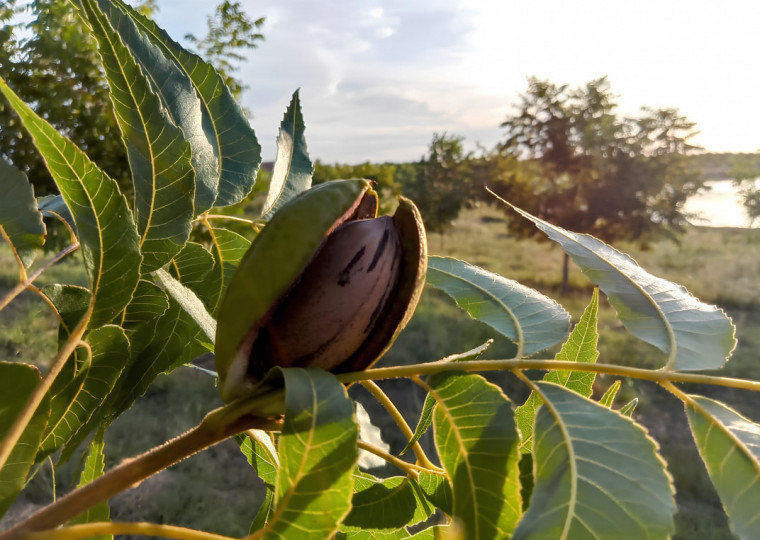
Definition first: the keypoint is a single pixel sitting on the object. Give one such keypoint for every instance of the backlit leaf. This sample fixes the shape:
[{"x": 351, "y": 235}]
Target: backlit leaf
[
  {"x": 597, "y": 474},
  {"x": 695, "y": 335},
  {"x": 477, "y": 441},
  {"x": 426, "y": 416},
  {"x": 259, "y": 450},
  {"x": 158, "y": 346},
  {"x": 292, "y": 167},
  {"x": 317, "y": 456},
  {"x": 579, "y": 347},
  {"x": 227, "y": 248},
  {"x": 437, "y": 489},
  {"x": 17, "y": 382},
  {"x": 159, "y": 156},
  {"x": 385, "y": 505},
  {"x": 525, "y": 316},
  {"x": 110, "y": 243},
  {"x": 94, "y": 466},
  {"x": 76, "y": 398},
  {"x": 20, "y": 222},
  {"x": 225, "y": 124},
  {"x": 187, "y": 299},
  {"x": 729, "y": 445},
  {"x": 192, "y": 266},
  {"x": 178, "y": 96},
  {"x": 53, "y": 206},
  {"x": 149, "y": 302},
  {"x": 609, "y": 396}
]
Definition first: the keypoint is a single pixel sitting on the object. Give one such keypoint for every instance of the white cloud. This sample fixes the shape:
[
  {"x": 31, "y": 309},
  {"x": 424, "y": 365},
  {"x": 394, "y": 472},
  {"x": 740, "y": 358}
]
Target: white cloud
[{"x": 379, "y": 77}]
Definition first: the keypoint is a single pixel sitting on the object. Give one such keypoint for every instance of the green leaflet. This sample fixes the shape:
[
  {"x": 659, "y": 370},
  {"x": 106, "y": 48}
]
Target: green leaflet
[
  {"x": 597, "y": 474},
  {"x": 94, "y": 466},
  {"x": 157, "y": 346},
  {"x": 228, "y": 249},
  {"x": 225, "y": 124},
  {"x": 695, "y": 335},
  {"x": 192, "y": 267},
  {"x": 110, "y": 243},
  {"x": 730, "y": 447},
  {"x": 317, "y": 456},
  {"x": 259, "y": 450},
  {"x": 477, "y": 441},
  {"x": 385, "y": 505},
  {"x": 159, "y": 155},
  {"x": 437, "y": 489},
  {"x": 177, "y": 95},
  {"x": 426, "y": 416},
  {"x": 609, "y": 396},
  {"x": 525, "y": 316},
  {"x": 579, "y": 347},
  {"x": 149, "y": 302},
  {"x": 76, "y": 399},
  {"x": 53, "y": 206},
  {"x": 70, "y": 302},
  {"x": 292, "y": 166},
  {"x": 189, "y": 302},
  {"x": 20, "y": 220},
  {"x": 17, "y": 382}
]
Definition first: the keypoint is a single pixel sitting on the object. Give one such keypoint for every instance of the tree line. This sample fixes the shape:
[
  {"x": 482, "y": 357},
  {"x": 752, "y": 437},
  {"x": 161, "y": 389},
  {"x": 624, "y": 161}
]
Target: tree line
[{"x": 567, "y": 156}]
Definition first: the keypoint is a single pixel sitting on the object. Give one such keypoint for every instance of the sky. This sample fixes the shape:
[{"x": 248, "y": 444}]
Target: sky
[{"x": 378, "y": 78}]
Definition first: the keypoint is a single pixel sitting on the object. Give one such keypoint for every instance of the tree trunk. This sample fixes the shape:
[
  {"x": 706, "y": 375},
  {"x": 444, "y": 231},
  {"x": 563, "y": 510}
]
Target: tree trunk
[{"x": 565, "y": 273}]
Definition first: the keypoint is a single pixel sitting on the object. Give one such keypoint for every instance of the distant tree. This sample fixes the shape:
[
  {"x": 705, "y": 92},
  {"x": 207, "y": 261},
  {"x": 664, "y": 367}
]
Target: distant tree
[
  {"x": 584, "y": 167},
  {"x": 441, "y": 186},
  {"x": 229, "y": 31},
  {"x": 383, "y": 174},
  {"x": 55, "y": 68},
  {"x": 745, "y": 173}
]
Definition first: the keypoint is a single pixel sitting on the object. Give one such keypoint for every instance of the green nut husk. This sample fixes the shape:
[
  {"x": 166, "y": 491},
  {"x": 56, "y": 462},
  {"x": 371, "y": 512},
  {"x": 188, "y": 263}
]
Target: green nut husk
[{"x": 325, "y": 284}]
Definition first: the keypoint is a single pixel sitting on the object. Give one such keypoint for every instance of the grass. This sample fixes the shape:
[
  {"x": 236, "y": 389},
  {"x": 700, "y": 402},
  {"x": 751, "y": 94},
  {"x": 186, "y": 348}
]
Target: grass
[{"x": 717, "y": 265}]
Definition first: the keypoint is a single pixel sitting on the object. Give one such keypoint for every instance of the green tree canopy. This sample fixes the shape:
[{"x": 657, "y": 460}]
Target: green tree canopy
[
  {"x": 583, "y": 166},
  {"x": 53, "y": 66},
  {"x": 441, "y": 182}
]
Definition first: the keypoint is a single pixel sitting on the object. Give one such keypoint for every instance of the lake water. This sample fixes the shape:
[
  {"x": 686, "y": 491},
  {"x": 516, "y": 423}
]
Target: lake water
[{"x": 720, "y": 206}]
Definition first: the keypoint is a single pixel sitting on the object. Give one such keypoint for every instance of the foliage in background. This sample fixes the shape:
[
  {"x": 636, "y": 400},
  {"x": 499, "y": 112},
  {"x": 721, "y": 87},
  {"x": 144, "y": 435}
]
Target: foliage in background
[
  {"x": 228, "y": 32},
  {"x": 55, "y": 68},
  {"x": 150, "y": 302}
]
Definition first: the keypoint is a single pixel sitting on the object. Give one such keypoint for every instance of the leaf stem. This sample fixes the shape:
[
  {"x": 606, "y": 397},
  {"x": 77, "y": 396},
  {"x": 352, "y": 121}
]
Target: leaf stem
[
  {"x": 217, "y": 426},
  {"x": 408, "y": 468},
  {"x": 21, "y": 287},
  {"x": 88, "y": 530},
  {"x": 385, "y": 401},
  {"x": 230, "y": 218},
  {"x": 658, "y": 375}
]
